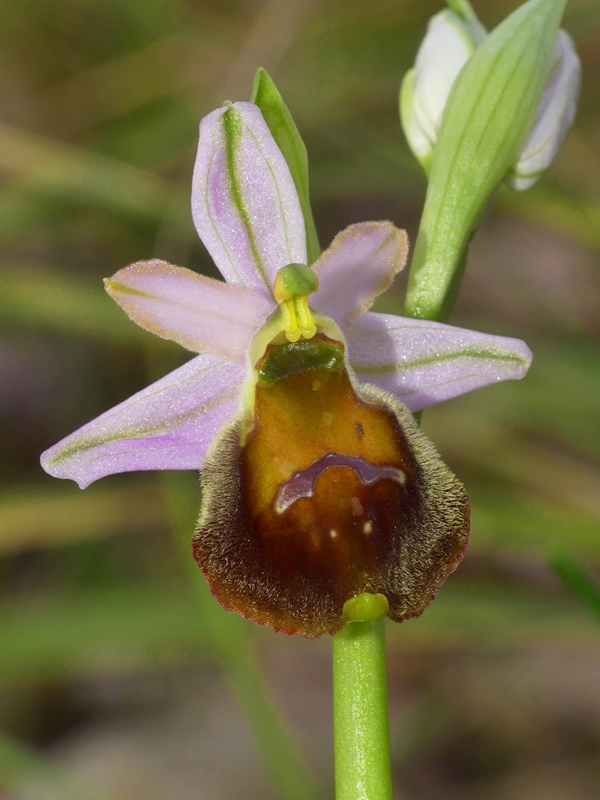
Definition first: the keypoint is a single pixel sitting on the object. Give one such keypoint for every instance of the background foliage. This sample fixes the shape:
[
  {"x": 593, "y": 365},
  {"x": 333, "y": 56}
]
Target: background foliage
[{"x": 116, "y": 667}]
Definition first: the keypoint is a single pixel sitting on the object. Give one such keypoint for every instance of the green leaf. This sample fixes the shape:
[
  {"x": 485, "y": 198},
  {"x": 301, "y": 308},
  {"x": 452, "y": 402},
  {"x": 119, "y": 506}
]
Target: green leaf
[
  {"x": 488, "y": 116},
  {"x": 286, "y": 134}
]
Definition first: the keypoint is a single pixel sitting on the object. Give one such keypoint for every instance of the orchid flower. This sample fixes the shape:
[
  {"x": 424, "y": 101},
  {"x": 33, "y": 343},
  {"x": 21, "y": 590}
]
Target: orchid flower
[{"x": 293, "y": 408}]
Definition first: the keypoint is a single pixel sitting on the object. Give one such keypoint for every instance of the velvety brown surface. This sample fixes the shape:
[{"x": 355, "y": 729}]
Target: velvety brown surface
[{"x": 387, "y": 516}]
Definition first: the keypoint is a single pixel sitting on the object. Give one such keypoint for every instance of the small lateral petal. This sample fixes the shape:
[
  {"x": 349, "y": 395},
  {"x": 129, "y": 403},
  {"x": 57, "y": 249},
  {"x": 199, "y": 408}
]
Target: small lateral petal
[
  {"x": 360, "y": 264},
  {"x": 169, "y": 425},
  {"x": 425, "y": 362},
  {"x": 202, "y": 314},
  {"x": 244, "y": 201}
]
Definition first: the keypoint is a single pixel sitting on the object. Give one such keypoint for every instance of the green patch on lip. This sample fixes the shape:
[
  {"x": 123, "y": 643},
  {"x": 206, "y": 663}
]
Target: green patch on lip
[{"x": 292, "y": 358}]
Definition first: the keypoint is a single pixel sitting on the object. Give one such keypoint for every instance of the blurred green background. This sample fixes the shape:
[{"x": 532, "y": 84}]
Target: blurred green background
[{"x": 119, "y": 676}]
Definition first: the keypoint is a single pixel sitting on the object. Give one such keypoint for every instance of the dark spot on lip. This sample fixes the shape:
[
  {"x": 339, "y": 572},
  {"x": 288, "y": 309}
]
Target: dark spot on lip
[{"x": 358, "y": 428}]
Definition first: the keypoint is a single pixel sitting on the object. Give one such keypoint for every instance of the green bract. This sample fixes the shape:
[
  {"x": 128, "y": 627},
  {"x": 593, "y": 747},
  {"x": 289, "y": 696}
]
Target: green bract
[
  {"x": 283, "y": 129},
  {"x": 487, "y": 118}
]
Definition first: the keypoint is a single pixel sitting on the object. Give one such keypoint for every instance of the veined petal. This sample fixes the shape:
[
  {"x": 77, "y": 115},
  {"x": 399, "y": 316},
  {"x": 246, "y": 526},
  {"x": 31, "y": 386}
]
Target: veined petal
[
  {"x": 359, "y": 265},
  {"x": 202, "y": 314},
  {"x": 425, "y": 362},
  {"x": 244, "y": 201},
  {"x": 169, "y": 425}
]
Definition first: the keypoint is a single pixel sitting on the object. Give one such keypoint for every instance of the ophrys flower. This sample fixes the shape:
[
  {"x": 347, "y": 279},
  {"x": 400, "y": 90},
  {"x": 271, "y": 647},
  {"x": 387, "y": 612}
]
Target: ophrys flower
[{"x": 318, "y": 484}]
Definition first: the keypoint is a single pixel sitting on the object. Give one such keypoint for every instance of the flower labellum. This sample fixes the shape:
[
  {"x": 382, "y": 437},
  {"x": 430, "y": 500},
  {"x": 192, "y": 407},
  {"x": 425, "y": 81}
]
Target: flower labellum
[
  {"x": 321, "y": 490},
  {"x": 318, "y": 486}
]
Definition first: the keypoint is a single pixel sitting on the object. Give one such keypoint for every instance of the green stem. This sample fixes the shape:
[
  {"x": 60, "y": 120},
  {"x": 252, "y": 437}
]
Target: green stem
[{"x": 360, "y": 713}]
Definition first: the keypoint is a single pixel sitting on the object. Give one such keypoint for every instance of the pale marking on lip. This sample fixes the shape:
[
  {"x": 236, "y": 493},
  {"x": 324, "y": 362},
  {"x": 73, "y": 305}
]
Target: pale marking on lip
[{"x": 302, "y": 483}]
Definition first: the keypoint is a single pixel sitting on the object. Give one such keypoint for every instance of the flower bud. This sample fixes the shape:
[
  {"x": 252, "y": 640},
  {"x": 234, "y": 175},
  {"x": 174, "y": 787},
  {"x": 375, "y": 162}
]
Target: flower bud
[
  {"x": 448, "y": 44},
  {"x": 452, "y": 37},
  {"x": 553, "y": 118},
  {"x": 488, "y": 116}
]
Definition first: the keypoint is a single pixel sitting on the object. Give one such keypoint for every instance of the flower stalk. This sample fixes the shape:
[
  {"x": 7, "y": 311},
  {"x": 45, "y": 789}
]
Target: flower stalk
[{"x": 360, "y": 712}]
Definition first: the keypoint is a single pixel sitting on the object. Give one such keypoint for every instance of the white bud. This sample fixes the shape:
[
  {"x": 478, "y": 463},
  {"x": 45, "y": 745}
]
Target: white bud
[
  {"x": 553, "y": 118},
  {"x": 451, "y": 39},
  {"x": 446, "y": 48}
]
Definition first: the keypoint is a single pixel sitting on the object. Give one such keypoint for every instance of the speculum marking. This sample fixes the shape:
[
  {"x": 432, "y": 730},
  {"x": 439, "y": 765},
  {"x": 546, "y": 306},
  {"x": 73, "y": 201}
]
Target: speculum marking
[{"x": 302, "y": 483}]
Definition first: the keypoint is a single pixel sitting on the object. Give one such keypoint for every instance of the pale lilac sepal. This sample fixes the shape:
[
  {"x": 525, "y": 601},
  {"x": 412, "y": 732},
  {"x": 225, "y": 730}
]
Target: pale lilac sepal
[
  {"x": 169, "y": 425},
  {"x": 425, "y": 362},
  {"x": 360, "y": 263},
  {"x": 244, "y": 201},
  {"x": 202, "y": 314}
]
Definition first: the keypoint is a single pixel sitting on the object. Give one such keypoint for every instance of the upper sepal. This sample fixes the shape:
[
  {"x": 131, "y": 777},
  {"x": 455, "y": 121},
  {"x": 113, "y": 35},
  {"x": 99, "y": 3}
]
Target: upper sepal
[{"x": 244, "y": 201}]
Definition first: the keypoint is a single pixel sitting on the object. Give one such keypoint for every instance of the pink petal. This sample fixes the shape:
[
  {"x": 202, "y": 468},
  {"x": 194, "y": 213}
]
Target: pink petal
[
  {"x": 244, "y": 201},
  {"x": 202, "y": 314},
  {"x": 169, "y": 425},
  {"x": 425, "y": 362},
  {"x": 360, "y": 263}
]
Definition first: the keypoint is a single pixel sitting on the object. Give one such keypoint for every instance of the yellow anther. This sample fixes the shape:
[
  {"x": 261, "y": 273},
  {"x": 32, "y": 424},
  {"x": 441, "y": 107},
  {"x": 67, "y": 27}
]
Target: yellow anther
[
  {"x": 297, "y": 319},
  {"x": 288, "y": 312},
  {"x": 290, "y": 320},
  {"x": 305, "y": 320},
  {"x": 293, "y": 284}
]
